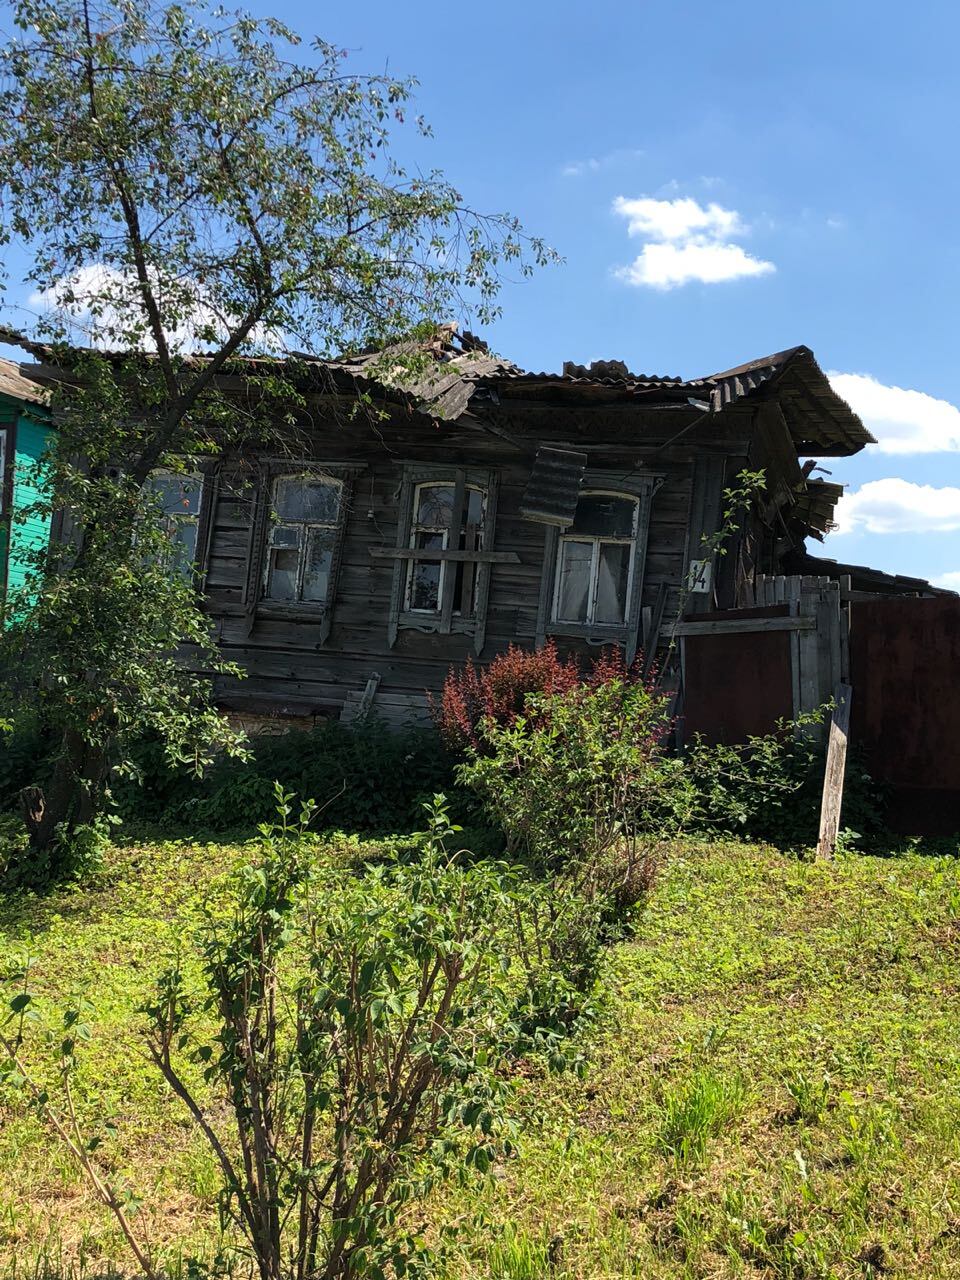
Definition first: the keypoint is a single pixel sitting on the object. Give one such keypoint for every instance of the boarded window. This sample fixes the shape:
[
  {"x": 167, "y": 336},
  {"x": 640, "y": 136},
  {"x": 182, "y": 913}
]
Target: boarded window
[{"x": 444, "y": 520}]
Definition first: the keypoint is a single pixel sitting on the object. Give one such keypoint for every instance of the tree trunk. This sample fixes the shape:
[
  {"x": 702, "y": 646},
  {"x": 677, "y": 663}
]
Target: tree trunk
[{"x": 71, "y": 797}]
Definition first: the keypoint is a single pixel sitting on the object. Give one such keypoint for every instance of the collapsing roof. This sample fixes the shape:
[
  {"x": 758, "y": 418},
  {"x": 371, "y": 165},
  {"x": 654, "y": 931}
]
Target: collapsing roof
[
  {"x": 819, "y": 421},
  {"x": 862, "y": 578},
  {"x": 444, "y": 373}
]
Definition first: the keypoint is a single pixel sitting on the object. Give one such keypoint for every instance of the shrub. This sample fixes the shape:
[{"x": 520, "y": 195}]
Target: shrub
[
  {"x": 768, "y": 788},
  {"x": 356, "y": 1038},
  {"x": 499, "y": 691},
  {"x": 74, "y": 857},
  {"x": 567, "y": 778},
  {"x": 366, "y": 777},
  {"x": 24, "y": 758}
]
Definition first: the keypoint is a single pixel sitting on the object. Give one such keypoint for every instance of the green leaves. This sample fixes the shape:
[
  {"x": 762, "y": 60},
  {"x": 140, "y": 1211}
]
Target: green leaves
[
  {"x": 365, "y": 1041},
  {"x": 180, "y": 184}
]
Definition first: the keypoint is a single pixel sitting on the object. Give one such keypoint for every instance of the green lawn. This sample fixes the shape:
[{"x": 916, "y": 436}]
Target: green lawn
[{"x": 773, "y": 1089}]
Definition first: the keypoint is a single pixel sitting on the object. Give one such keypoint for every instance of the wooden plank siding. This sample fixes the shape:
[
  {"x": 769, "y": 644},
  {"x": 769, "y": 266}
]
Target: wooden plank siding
[
  {"x": 28, "y": 433},
  {"x": 286, "y": 657}
]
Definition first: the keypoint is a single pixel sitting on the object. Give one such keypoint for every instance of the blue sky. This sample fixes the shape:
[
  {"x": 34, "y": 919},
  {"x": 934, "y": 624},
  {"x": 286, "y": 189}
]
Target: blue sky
[
  {"x": 826, "y": 129},
  {"x": 723, "y": 180}
]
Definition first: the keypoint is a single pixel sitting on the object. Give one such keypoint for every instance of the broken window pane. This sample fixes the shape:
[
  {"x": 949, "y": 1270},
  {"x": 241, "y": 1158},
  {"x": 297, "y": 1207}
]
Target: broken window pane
[
  {"x": 605, "y": 515},
  {"x": 425, "y": 584},
  {"x": 285, "y": 535},
  {"x": 306, "y": 522},
  {"x": 179, "y": 499},
  {"x": 435, "y": 506},
  {"x": 432, "y": 530},
  {"x": 316, "y": 574},
  {"x": 282, "y": 582}
]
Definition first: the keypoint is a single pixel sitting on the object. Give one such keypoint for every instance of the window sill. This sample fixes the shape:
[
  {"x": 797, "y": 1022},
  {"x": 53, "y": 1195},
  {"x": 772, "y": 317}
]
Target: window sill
[
  {"x": 601, "y": 633},
  {"x": 302, "y": 610},
  {"x": 431, "y": 624}
]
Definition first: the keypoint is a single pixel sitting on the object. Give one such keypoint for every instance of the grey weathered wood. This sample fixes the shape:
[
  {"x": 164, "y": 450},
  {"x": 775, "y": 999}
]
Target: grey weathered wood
[
  {"x": 733, "y": 626},
  {"x": 400, "y": 569},
  {"x": 644, "y": 516},
  {"x": 288, "y": 655},
  {"x": 832, "y": 800},
  {"x": 484, "y": 572},
  {"x": 706, "y": 507},
  {"x": 651, "y": 636},
  {"x": 448, "y": 579},
  {"x": 369, "y": 693},
  {"x": 551, "y": 541},
  {"x": 473, "y": 557}
]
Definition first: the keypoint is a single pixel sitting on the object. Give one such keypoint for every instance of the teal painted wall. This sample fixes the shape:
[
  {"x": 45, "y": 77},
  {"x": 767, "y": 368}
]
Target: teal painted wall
[{"x": 21, "y": 537}]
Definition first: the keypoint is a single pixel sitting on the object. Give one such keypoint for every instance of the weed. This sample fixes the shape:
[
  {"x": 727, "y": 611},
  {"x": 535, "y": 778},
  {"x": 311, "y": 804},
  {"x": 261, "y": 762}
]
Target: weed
[
  {"x": 809, "y": 1094},
  {"x": 696, "y": 1110}
]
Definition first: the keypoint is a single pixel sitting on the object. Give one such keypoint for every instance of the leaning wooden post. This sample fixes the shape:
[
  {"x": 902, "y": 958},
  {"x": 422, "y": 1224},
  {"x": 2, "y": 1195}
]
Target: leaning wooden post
[{"x": 833, "y": 774}]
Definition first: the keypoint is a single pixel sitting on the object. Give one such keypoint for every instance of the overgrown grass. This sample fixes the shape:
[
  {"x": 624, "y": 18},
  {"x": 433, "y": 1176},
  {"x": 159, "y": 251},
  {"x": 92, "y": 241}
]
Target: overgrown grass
[{"x": 774, "y": 1090}]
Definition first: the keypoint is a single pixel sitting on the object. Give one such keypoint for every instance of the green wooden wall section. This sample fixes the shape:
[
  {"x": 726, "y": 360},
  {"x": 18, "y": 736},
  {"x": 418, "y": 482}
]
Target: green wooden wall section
[{"x": 18, "y": 538}]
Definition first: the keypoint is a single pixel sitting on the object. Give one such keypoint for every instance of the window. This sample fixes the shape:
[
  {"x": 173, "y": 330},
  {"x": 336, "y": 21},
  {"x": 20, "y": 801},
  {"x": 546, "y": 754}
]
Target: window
[
  {"x": 305, "y": 522},
  {"x": 435, "y": 510},
  {"x": 595, "y": 561},
  {"x": 3, "y": 470},
  {"x": 444, "y": 553},
  {"x": 592, "y": 581},
  {"x": 178, "y": 495}
]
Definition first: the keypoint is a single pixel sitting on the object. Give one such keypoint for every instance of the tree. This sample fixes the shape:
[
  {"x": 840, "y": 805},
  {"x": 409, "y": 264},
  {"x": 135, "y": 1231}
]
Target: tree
[{"x": 181, "y": 184}]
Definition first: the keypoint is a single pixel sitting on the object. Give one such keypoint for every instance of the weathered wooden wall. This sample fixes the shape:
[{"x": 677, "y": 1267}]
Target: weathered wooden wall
[{"x": 292, "y": 669}]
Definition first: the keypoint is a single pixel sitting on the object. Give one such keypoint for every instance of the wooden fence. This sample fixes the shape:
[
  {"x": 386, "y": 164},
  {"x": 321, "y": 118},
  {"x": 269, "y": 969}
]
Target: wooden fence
[{"x": 784, "y": 656}]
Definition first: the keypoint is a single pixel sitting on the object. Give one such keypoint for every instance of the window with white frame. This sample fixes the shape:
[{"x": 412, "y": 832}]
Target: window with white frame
[
  {"x": 595, "y": 561},
  {"x": 305, "y": 520},
  {"x": 593, "y": 568},
  {"x": 445, "y": 517},
  {"x": 178, "y": 496}
]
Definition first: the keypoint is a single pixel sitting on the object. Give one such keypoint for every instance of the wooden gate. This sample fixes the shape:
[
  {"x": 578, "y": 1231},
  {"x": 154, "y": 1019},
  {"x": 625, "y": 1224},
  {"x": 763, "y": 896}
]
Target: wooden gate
[
  {"x": 905, "y": 666},
  {"x": 745, "y": 669}
]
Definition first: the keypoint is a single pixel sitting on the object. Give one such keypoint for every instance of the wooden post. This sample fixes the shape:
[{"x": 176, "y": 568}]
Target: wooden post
[{"x": 833, "y": 774}]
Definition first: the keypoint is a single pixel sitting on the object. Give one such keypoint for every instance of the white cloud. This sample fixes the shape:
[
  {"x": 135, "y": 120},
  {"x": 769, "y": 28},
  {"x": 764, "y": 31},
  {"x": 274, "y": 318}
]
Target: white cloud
[
  {"x": 102, "y": 305},
  {"x": 903, "y": 421},
  {"x": 898, "y": 506},
  {"x": 665, "y": 266},
  {"x": 677, "y": 219},
  {"x": 949, "y": 580},
  {"x": 686, "y": 241}
]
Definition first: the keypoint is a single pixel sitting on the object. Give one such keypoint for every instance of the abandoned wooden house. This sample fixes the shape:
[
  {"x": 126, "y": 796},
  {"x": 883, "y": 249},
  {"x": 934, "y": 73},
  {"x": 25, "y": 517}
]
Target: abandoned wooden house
[{"x": 488, "y": 506}]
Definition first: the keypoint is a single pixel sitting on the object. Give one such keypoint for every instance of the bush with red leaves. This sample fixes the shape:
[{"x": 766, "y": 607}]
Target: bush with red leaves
[{"x": 499, "y": 690}]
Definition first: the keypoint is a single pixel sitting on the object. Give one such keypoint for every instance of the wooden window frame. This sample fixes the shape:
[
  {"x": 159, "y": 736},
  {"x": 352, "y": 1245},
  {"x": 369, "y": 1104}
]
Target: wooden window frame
[
  {"x": 195, "y": 471},
  {"x": 444, "y": 621},
  {"x": 7, "y": 466},
  {"x": 256, "y": 603},
  {"x": 641, "y": 489},
  {"x": 302, "y": 548}
]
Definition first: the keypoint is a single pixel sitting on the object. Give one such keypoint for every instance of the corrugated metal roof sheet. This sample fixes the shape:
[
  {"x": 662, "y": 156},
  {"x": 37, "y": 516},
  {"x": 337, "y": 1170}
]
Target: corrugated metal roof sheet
[
  {"x": 15, "y": 385},
  {"x": 553, "y": 490}
]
